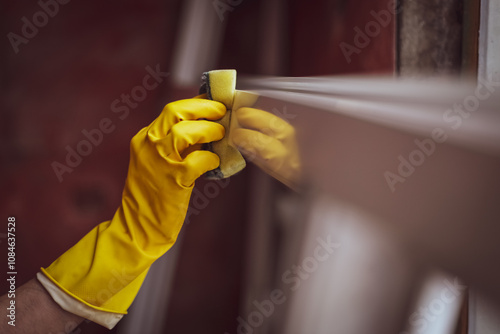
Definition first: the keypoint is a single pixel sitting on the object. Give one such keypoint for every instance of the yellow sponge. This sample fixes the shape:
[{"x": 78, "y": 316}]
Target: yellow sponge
[{"x": 220, "y": 85}]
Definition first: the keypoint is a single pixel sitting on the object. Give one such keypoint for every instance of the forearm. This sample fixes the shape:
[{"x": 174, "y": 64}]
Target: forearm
[{"x": 36, "y": 312}]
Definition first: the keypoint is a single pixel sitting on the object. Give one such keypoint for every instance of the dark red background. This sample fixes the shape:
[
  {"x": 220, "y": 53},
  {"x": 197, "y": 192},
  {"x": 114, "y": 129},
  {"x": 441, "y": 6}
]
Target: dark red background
[{"x": 64, "y": 80}]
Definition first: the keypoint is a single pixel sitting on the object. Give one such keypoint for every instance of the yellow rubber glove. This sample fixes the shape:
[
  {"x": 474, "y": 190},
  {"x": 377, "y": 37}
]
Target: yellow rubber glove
[
  {"x": 106, "y": 268},
  {"x": 269, "y": 142}
]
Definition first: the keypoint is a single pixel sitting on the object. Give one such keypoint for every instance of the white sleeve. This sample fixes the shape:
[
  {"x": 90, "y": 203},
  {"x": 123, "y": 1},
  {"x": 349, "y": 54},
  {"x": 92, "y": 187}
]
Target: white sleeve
[{"x": 70, "y": 304}]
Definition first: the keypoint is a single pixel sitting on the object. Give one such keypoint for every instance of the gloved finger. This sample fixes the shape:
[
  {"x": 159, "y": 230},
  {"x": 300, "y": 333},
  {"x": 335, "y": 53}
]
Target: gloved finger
[
  {"x": 193, "y": 109},
  {"x": 198, "y": 163},
  {"x": 260, "y": 147},
  {"x": 190, "y": 149},
  {"x": 187, "y": 133},
  {"x": 182, "y": 110},
  {"x": 265, "y": 122}
]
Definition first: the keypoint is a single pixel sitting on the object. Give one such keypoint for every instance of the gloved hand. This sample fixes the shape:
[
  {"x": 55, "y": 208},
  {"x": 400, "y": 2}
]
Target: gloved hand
[
  {"x": 269, "y": 142},
  {"x": 105, "y": 269}
]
